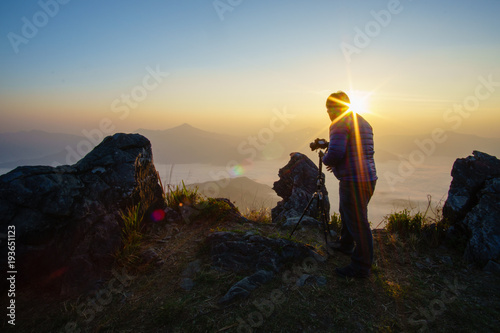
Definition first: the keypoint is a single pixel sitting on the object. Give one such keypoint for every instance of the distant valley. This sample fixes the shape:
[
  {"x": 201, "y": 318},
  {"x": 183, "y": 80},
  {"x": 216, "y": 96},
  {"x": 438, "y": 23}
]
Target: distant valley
[
  {"x": 185, "y": 144},
  {"x": 245, "y": 193},
  {"x": 410, "y": 168}
]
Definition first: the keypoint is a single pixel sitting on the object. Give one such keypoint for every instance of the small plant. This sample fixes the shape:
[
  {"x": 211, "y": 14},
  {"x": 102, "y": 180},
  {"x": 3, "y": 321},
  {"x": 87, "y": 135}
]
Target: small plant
[
  {"x": 262, "y": 215},
  {"x": 171, "y": 312},
  {"x": 418, "y": 229},
  {"x": 131, "y": 234},
  {"x": 212, "y": 207},
  {"x": 147, "y": 179},
  {"x": 404, "y": 224},
  {"x": 179, "y": 196},
  {"x": 336, "y": 223}
]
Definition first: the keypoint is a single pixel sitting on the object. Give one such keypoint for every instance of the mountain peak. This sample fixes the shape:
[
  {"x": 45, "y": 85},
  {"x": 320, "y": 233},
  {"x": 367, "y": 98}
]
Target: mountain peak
[{"x": 184, "y": 126}]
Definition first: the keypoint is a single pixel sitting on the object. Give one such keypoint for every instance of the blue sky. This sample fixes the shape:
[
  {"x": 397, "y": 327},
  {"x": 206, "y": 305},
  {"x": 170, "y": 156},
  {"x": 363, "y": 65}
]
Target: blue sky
[{"x": 263, "y": 55}]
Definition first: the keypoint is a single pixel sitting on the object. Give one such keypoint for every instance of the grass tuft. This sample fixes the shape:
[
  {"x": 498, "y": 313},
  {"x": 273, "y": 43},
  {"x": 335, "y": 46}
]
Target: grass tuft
[
  {"x": 178, "y": 196},
  {"x": 262, "y": 215},
  {"x": 147, "y": 179},
  {"x": 404, "y": 224}
]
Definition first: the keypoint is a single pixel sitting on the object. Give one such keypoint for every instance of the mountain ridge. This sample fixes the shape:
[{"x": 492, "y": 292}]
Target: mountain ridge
[{"x": 185, "y": 144}]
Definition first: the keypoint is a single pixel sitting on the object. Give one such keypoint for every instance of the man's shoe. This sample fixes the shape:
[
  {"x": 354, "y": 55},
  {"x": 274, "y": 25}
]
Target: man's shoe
[
  {"x": 351, "y": 272},
  {"x": 338, "y": 246}
]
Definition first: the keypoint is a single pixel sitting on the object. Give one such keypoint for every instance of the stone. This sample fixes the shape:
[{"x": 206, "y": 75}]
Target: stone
[
  {"x": 473, "y": 207},
  {"x": 492, "y": 267},
  {"x": 469, "y": 175},
  {"x": 306, "y": 221},
  {"x": 258, "y": 257},
  {"x": 306, "y": 279},
  {"x": 243, "y": 287},
  {"x": 171, "y": 215},
  {"x": 296, "y": 186},
  {"x": 150, "y": 256},
  {"x": 67, "y": 218},
  {"x": 247, "y": 254},
  {"x": 483, "y": 223},
  {"x": 187, "y": 284},
  {"x": 446, "y": 260},
  {"x": 192, "y": 269}
]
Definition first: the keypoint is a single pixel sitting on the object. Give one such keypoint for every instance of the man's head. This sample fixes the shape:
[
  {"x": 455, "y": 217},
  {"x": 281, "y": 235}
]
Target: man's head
[{"x": 336, "y": 104}]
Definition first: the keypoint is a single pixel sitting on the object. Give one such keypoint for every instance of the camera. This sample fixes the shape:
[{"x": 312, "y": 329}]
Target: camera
[{"x": 318, "y": 144}]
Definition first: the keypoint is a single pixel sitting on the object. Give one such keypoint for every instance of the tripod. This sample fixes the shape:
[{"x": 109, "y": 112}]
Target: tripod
[{"x": 320, "y": 196}]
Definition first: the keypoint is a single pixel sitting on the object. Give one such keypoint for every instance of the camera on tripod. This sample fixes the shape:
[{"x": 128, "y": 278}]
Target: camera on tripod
[
  {"x": 320, "y": 195},
  {"x": 318, "y": 144}
]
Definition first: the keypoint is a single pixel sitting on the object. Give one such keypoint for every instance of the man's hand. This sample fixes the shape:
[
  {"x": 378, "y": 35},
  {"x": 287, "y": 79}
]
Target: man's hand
[{"x": 329, "y": 168}]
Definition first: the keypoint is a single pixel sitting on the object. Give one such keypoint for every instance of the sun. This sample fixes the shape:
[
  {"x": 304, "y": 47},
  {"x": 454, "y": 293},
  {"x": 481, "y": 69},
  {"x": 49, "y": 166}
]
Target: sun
[{"x": 359, "y": 102}]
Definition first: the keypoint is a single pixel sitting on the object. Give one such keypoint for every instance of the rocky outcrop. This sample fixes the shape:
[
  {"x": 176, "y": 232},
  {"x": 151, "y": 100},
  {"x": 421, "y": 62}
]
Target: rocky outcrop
[
  {"x": 473, "y": 206},
  {"x": 257, "y": 257},
  {"x": 67, "y": 218},
  {"x": 297, "y": 184}
]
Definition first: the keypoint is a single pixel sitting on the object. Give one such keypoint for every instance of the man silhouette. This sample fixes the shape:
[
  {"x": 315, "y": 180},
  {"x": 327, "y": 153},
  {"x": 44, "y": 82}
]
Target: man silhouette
[{"x": 350, "y": 158}]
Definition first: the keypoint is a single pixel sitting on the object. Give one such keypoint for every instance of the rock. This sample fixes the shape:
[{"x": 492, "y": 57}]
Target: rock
[
  {"x": 253, "y": 255},
  {"x": 469, "y": 175},
  {"x": 248, "y": 254},
  {"x": 306, "y": 279},
  {"x": 67, "y": 218},
  {"x": 187, "y": 284},
  {"x": 297, "y": 184},
  {"x": 306, "y": 221},
  {"x": 446, "y": 260},
  {"x": 243, "y": 287},
  {"x": 483, "y": 223},
  {"x": 492, "y": 267},
  {"x": 420, "y": 266},
  {"x": 473, "y": 206},
  {"x": 192, "y": 269},
  {"x": 171, "y": 215},
  {"x": 150, "y": 256},
  {"x": 188, "y": 213}
]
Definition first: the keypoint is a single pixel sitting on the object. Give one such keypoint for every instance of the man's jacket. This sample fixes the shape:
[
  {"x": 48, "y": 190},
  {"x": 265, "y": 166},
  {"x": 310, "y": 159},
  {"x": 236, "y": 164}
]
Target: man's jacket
[{"x": 350, "y": 151}]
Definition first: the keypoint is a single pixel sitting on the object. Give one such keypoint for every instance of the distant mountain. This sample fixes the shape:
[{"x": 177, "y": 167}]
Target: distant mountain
[
  {"x": 186, "y": 144},
  {"x": 31, "y": 147},
  {"x": 51, "y": 160},
  {"x": 452, "y": 145},
  {"x": 244, "y": 192}
]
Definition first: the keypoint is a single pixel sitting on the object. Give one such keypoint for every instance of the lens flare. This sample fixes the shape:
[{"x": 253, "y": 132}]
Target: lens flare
[
  {"x": 359, "y": 102},
  {"x": 158, "y": 215},
  {"x": 238, "y": 170}
]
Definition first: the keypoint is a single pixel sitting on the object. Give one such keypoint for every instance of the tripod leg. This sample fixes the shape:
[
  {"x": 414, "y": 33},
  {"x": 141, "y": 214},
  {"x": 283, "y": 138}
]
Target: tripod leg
[
  {"x": 315, "y": 195},
  {"x": 324, "y": 220}
]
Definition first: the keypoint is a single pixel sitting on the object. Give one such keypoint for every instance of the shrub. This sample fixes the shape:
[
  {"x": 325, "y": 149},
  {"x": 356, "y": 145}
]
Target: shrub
[
  {"x": 262, "y": 215},
  {"x": 131, "y": 235},
  {"x": 147, "y": 179},
  {"x": 179, "y": 196},
  {"x": 404, "y": 224},
  {"x": 211, "y": 207},
  {"x": 336, "y": 223}
]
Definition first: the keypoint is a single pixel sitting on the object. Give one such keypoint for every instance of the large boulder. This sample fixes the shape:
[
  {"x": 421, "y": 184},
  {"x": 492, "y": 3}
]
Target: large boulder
[
  {"x": 67, "y": 218},
  {"x": 259, "y": 258},
  {"x": 473, "y": 206},
  {"x": 297, "y": 184}
]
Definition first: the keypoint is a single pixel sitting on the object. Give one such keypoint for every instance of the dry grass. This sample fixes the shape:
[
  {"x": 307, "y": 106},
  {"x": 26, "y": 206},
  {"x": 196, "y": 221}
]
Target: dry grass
[{"x": 406, "y": 285}]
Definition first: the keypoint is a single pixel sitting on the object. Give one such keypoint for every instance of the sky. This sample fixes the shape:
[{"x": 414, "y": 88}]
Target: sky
[{"x": 231, "y": 66}]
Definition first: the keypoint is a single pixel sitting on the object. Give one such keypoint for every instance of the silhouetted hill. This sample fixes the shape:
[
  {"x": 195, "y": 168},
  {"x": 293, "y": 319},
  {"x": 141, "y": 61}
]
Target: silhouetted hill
[
  {"x": 20, "y": 147},
  {"x": 246, "y": 193},
  {"x": 186, "y": 144},
  {"x": 452, "y": 145}
]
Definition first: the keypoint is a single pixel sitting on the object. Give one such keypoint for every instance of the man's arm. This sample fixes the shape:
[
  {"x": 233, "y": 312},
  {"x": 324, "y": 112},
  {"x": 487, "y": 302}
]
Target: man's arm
[{"x": 338, "y": 144}]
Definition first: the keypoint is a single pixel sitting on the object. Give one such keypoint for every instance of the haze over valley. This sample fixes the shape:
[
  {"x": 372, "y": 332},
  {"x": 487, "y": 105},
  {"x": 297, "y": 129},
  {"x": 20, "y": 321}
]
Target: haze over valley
[{"x": 409, "y": 167}]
